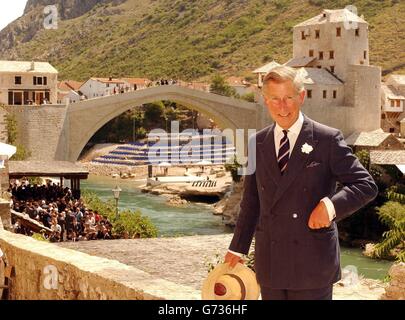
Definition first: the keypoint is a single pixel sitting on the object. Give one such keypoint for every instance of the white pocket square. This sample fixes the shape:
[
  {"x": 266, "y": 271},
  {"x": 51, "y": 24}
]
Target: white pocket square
[{"x": 313, "y": 164}]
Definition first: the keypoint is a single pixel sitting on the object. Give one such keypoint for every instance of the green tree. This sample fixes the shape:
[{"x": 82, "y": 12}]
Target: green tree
[
  {"x": 392, "y": 214},
  {"x": 233, "y": 167},
  {"x": 12, "y": 134},
  {"x": 219, "y": 86},
  {"x": 250, "y": 97},
  {"x": 154, "y": 113}
]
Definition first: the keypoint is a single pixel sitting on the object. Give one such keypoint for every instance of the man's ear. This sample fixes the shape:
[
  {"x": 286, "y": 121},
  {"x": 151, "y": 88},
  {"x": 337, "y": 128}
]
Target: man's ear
[{"x": 302, "y": 95}]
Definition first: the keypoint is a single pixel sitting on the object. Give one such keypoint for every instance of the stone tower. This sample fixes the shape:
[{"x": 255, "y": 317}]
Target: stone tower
[{"x": 335, "y": 39}]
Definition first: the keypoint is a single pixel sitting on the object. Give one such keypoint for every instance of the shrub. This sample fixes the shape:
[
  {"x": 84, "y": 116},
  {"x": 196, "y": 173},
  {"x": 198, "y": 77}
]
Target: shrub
[
  {"x": 133, "y": 225},
  {"x": 129, "y": 224},
  {"x": 393, "y": 215}
]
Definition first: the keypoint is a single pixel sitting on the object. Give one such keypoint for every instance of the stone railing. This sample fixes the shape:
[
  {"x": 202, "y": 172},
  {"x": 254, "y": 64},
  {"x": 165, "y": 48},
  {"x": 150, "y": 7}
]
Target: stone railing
[{"x": 45, "y": 271}]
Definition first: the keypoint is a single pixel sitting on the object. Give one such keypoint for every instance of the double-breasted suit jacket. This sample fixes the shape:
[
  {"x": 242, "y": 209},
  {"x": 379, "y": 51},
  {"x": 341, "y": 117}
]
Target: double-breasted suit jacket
[{"x": 276, "y": 208}]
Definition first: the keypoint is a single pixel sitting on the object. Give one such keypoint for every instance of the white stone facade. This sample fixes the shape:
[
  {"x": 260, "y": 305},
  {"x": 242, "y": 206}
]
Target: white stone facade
[{"x": 28, "y": 83}]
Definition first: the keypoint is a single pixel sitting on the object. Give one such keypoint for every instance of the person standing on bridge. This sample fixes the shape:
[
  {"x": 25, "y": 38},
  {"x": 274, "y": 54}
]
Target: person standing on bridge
[{"x": 291, "y": 203}]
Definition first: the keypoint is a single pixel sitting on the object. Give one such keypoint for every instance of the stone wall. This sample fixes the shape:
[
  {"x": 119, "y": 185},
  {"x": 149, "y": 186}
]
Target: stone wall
[
  {"x": 45, "y": 271},
  {"x": 396, "y": 288},
  {"x": 40, "y": 130}
]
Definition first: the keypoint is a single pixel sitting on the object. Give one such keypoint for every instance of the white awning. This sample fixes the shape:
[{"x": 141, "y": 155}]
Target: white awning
[
  {"x": 401, "y": 168},
  {"x": 7, "y": 149}
]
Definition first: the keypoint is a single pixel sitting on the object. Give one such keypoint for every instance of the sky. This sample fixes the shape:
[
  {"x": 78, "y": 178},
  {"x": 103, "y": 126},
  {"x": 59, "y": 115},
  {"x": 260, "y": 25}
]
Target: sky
[{"x": 10, "y": 10}]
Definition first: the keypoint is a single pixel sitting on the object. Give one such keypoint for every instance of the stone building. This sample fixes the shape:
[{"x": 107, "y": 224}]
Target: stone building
[
  {"x": 376, "y": 140},
  {"x": 24, "y": 83},
  {"x": 393, "y": 103},
  {"x": 332, "y": 53}
]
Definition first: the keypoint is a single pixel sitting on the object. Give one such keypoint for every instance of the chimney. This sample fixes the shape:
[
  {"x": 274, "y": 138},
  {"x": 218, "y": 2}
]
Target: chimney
[
  {"x": 326, "y": 14},
  {"x": 110, "y": 78},
  {"x": 32, "y": 66}
]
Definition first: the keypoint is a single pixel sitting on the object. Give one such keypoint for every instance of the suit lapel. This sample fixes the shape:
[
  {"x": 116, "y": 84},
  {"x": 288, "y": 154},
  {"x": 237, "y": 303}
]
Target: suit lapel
[
  {"x": 268, "y": 153},
  {"x": 298, "y": 159}
]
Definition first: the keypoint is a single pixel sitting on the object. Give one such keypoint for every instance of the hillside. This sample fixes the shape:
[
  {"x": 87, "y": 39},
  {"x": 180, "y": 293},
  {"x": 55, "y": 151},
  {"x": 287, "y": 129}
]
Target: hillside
[{"x": 189, "y": 39}]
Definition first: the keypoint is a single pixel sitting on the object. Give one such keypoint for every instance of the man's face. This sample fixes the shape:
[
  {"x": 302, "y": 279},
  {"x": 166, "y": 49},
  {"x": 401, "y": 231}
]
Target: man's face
[{"x": 283, "y": 102}]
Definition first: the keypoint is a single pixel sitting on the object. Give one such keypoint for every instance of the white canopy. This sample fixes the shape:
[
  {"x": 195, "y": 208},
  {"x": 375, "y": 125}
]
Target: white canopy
[
  {"x": 204, "y": 162},
  {"x": 164, "y": 164},
  {"x": 7, "y": 149}
]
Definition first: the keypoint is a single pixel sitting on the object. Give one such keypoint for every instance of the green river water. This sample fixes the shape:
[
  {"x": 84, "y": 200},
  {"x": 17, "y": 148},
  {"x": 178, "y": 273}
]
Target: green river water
[{"x": 197, "y": 219}]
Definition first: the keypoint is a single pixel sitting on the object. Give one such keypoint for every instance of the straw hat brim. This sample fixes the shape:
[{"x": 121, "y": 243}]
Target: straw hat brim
[{"x": 247, "y": 276}]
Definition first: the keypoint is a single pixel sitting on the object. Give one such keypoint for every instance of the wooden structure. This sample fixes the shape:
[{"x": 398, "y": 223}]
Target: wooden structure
[{"x": 52, "y": 169}]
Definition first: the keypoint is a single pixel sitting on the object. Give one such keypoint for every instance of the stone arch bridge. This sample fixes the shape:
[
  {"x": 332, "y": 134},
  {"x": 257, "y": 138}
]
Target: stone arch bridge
[{"x": 61, "y": 132}]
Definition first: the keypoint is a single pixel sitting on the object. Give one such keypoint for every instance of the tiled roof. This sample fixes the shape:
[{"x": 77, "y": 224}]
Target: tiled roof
[
  {"x": 395, "y": 157},
  {"x": 108, "y": 80},
  {"x": 137, "y": 81},
  {"x": 367, "y": 139},
  {"x": 332, "y": 16},
  {"x": 399, "y": 78},
  {"x": 318, "y": 76},
  {"x": 267, "y": 67},
  {"x": 26, "y": 66},
  {"x": 391, "y": 93},
  {"x": 69, "y": 85},
  {"x": 299, "y": 62}
]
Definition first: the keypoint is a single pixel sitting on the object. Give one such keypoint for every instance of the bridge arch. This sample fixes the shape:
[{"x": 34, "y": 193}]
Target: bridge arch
[{"x": 85, "y": 118}]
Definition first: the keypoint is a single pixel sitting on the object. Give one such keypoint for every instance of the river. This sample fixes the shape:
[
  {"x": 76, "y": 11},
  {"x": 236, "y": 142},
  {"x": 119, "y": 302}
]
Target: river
[{"x": 197, "y": 219}]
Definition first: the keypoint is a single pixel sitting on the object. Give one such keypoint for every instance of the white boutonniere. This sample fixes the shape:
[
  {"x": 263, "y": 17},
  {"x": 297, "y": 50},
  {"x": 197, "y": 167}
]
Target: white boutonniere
[{"x": 306, "y": 148}]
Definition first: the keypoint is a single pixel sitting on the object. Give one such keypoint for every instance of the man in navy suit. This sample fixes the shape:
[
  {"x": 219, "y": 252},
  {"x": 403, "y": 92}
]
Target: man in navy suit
[{"x": 291, "y": 204}]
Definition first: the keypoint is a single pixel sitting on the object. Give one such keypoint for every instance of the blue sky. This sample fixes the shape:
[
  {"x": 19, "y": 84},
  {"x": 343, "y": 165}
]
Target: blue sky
[{"x": 10, "y": 10}]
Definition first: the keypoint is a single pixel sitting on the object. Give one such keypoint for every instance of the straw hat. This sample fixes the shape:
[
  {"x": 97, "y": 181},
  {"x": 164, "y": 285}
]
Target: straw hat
[{"x": 225, "y": 283}]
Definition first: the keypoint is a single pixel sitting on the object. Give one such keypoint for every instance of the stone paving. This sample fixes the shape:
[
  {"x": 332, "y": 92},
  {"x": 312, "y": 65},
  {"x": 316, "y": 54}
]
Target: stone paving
[{"x": 184, "y": 260}]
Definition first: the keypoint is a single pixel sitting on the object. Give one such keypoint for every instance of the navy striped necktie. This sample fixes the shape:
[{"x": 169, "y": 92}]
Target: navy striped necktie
[{"x": 283, "y": 152}]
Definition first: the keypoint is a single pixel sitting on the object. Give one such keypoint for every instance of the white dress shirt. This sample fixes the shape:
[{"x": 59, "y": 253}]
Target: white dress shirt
[{"x": 292, "y": 135}]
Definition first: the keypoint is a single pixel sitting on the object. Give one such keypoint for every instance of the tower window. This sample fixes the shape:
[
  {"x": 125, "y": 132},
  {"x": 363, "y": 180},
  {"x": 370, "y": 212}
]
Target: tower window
[
  {"x": 320, "y": 55},
  {"x": 309, "y": 94},
  {"x": 319, "y": 67},
  {"x": 338, "y": 32},
  {"x": 357, "y": 32},
  {"x": 332, "y": 69},
  {"x": 302, "y": 35},
  {"x": 317, "y": 33},
  {"x": 331, "y": 54},
  {"x": 334, "y": 94},
  {"x": 17, "y": 80},
  {"x": 365, "y": 54},
  {"x": 392, "y": 103},
  {"x": 324, "y": 94},
  {"x": 311, "y": 53}
]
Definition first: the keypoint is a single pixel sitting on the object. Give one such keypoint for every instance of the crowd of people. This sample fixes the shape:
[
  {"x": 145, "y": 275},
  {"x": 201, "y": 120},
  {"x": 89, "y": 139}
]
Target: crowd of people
[{"x": 55, "y": 207}]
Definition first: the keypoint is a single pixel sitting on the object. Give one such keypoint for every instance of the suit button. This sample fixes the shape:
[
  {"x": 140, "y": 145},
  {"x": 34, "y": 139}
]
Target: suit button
[
  {"x": 262, "y": 188},
  {"x": 295, "y": 216},
  {"x": 305, "y": 189}
]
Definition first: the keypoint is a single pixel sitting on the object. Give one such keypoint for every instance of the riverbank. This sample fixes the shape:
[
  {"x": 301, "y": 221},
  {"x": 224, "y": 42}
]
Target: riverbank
[{"x": 185, "y": 260}]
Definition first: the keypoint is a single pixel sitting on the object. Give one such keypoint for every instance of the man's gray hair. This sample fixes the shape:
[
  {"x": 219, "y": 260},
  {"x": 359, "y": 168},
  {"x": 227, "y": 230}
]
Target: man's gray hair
[{"x": 282, "y": 74}]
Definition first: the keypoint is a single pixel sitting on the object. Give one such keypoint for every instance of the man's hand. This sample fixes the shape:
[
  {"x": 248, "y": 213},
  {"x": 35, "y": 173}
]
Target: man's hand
[
  {"x": 233, "y": 259},
  {"x": 319, "y": 217}
]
